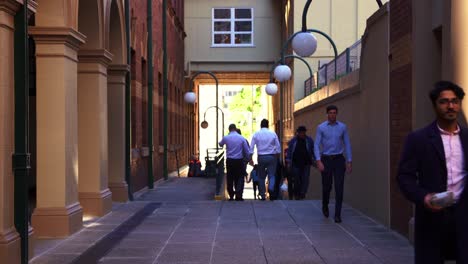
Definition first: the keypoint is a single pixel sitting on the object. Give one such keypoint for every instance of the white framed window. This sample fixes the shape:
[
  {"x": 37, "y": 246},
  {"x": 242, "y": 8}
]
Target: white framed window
[{"x": 232, "y": 27}]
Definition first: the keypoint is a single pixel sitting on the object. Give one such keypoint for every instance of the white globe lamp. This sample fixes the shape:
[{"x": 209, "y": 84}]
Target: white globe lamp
[
  {"x": 271, "y": 88},
  {"x": 304, "y": 44},
  {"x": 282, "y": 73},
  {"x": 190, "y": 97}
]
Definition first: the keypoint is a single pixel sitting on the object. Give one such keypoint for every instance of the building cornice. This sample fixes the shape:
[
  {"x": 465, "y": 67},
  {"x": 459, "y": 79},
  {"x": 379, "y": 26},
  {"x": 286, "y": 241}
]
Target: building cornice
[
  {"x": 101, "y": 56},
  {"x": 52, "y": 35}
]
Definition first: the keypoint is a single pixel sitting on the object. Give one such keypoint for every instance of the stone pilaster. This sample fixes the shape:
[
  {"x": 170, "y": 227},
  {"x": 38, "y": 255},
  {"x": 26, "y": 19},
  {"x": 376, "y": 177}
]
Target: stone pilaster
[
  {"x": 94, "y": 194},
  {"x": 10, "y": 251},
  {"x": 116, "y": 102},
  {"x": 58, "y": 212}
]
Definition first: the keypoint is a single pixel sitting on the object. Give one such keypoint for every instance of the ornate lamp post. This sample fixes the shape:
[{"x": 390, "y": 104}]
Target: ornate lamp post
[
  {"x": 304, "y": 43},
  {"x": 204, "y": 124},
  {"x": 191, "y": 97},
  {"x": 282, "y": 74}
]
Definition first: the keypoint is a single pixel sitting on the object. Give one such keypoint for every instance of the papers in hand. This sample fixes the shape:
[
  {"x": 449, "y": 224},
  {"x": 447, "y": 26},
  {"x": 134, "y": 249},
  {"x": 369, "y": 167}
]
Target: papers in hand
[{"x": 443, "y": 199}]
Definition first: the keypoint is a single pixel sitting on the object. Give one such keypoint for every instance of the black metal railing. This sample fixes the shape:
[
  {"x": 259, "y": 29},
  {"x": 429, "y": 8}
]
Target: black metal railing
[
  {"x": 348, "y": 61},
  {"x": 214, "y": 167}
]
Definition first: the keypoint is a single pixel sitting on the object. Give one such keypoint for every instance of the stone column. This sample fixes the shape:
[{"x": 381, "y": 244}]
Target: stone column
[
  {"x": 116, "y": 112},
  {"x": 459, "y": 44},
  {"x": 58, "y": 212},
  {"x": 10, "y": 250},
  {"x": 94, "y": 195}
]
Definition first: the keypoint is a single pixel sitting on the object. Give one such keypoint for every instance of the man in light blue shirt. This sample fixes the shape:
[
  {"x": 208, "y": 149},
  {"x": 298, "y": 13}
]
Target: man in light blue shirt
[
  {"x": 236, "y": 150},
  {"x": 268, "y": 149},
  {"x": 331, "y": 142}
]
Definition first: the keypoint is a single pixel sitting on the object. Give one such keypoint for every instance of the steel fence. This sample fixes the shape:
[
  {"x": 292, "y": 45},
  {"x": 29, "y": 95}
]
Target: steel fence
[{"x": 346, "y": 62}]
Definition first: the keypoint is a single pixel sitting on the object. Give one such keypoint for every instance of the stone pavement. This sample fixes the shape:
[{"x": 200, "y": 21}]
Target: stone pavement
[{"x": 178, "y": 222}]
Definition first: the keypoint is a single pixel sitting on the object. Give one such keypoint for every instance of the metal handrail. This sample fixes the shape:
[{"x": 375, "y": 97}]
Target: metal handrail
[{"x": 347, "y": 61}]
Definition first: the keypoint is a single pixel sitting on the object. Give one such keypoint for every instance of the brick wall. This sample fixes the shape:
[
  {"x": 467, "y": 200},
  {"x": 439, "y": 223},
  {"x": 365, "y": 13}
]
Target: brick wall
[
  {"x": 400, "y": 103},
  {"x": 178, "y": 110}
]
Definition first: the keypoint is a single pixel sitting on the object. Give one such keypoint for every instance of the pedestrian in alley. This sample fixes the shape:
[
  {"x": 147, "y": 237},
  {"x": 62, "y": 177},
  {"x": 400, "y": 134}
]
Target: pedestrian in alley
[
  {"x": 435, "y": 161},
  {"x": 245, "y": 161},
  {"x": 268, "y": 150},
  {"x": 299, "y": 158},
  {"x": 331, "y": 141},
  {"x": 236, "y": 151}
]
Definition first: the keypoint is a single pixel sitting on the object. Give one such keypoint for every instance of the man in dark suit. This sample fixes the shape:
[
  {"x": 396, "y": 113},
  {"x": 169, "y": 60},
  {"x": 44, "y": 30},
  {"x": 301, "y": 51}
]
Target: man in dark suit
[{"x": 435, "y": 160}]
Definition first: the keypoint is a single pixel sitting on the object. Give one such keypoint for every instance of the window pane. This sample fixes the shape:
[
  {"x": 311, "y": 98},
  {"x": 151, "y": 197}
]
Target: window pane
[
  {"x": 222, "y": 13},
  {"x": 222, "y": 38},
  {"x": 243, "y": 13},
  {"x": 243, "y": 26},
  {"x": 222, "y": 26},
  {"x": 243, "y": 38}
]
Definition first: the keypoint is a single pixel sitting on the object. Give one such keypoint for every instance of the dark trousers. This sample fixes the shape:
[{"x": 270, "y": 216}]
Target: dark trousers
[
  {"x": 235, "y": 177},
  {"x": 301, "y": 180},
  {"x": 335, "y": 167},
  {"x": 255, "y": 186},
  {"x": 435, "y": 251}
]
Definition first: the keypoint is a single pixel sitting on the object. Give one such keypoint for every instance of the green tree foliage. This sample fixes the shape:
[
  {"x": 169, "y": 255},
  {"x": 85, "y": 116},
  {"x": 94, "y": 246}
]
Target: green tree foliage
[{"x": 245, "y": 109}]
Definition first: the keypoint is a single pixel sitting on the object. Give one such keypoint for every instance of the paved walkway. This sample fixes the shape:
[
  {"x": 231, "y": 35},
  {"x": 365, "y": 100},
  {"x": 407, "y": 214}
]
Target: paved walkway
[{"x": 178, "y": 222}]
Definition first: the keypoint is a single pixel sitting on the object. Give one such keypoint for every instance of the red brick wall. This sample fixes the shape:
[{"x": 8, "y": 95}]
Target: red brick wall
[
  {"x": 178, "y": 111},
  {"x": 400, "y": 103}
]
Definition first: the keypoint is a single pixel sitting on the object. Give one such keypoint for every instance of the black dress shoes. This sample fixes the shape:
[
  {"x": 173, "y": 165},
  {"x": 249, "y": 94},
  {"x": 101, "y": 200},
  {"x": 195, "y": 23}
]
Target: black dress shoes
[
  {"x": 337, "y": 219},
  {"x": 325, "y": 211}
]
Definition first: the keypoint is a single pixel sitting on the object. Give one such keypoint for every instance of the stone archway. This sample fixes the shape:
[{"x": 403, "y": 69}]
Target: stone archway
[{"x": 115, "y": 42}]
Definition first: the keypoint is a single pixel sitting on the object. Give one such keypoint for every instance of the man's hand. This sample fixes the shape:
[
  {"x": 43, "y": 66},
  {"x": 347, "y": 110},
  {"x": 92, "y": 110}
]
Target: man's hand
[
  {"x": 251, "y": 163},
  {"x": 349, "y": 167},
  {"x": 429, "y": 205},
  {"x": 320, "y": 166}
]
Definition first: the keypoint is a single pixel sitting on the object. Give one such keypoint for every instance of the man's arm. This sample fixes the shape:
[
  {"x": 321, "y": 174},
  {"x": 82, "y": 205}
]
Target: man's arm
[
  {"x": 277, "y": 145},
  {"x": 347, "y": 144},
  {"x": 408, "y": 170},
  {"x": 253, "y": 142},
  {"x": 246, "y": 150},
  {"x": 318, "y": 142},
  {"x": 222, "y": 142},
  {"x": 313, "y": 160},
  {"x": 289, "y": 152}
]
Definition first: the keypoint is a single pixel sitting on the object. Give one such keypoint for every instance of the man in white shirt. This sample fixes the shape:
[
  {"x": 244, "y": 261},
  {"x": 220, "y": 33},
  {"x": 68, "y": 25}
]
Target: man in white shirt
[{"x": 268, "y": 150}]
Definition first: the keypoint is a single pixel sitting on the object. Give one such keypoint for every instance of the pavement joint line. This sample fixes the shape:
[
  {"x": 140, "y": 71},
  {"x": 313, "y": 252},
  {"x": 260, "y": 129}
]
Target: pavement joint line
[
  {"x": 258, "y": 232},
  {"x": 77, "y": 233},
  {"x": 172, "y": 234},
  {"x": 216, "y": 232},
  {"x": 305, "y": 235},
  {"x": 357, "y": 240},
  {"x": 106, "y": 243},
  {"x": 362, "y": 244}
]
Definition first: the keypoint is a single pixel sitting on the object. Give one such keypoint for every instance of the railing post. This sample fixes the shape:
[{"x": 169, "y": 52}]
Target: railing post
[
  {"x": 348, "y": 69},
  {"x": 326, "y": 74}
]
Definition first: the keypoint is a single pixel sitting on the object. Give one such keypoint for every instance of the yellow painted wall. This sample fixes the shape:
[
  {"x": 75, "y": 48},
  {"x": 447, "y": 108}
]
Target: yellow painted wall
[
  {"x": 362, "y": 98},
  {"x": 200, "y": 54},
  {"x": 343, "y": 20}
]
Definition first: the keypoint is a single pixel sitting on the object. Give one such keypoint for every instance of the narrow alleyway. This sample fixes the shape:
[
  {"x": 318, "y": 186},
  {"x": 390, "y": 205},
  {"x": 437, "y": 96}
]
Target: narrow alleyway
[{"x": 178, "y": 222}]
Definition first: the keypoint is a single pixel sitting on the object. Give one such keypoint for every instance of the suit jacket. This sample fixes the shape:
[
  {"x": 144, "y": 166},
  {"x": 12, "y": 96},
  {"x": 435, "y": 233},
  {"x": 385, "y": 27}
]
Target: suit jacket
[
  {"x": 423, "y": 170},
  {"x": 292, "y": 147}
]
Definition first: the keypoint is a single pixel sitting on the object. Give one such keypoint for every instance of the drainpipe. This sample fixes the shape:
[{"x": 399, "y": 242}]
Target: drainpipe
[
  {"x": 149, "y": 51},
  {"x": 164, "y": 50},
  {"x": 21, "y": 157},
  {"x": 128, "y": 102}
]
